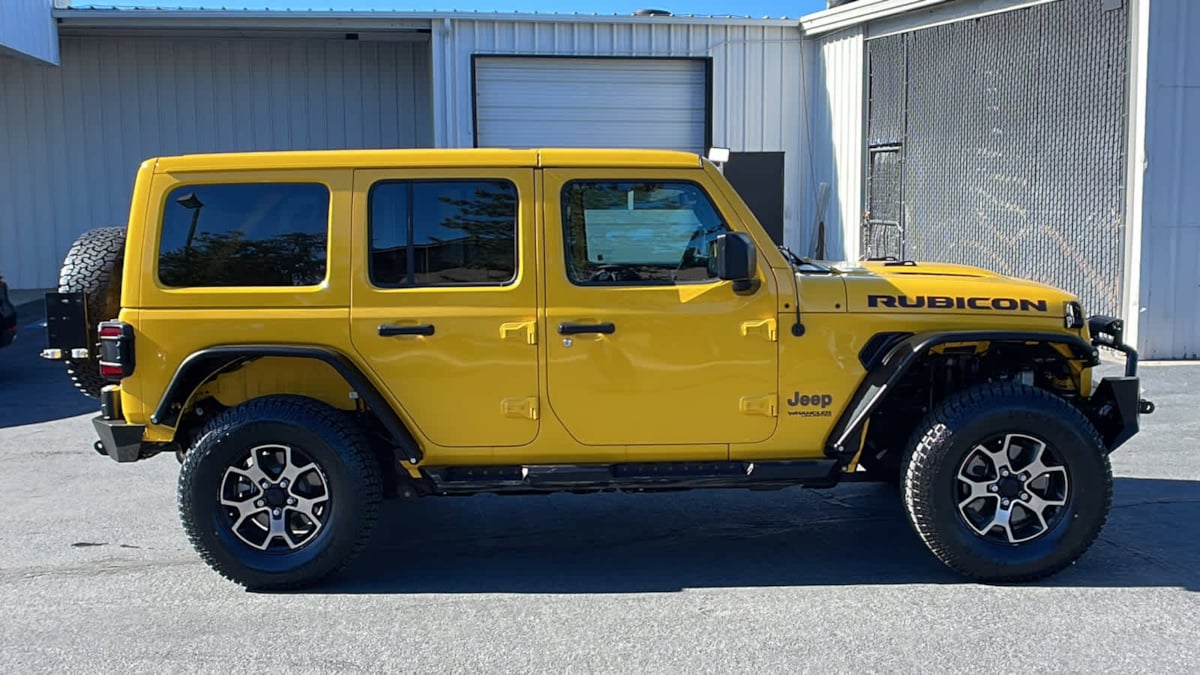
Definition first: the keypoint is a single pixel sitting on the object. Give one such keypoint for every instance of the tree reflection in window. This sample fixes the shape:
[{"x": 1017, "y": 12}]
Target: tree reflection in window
[
  {"x": 443, "y": 232},
  {"x": 245, "y": 234}
]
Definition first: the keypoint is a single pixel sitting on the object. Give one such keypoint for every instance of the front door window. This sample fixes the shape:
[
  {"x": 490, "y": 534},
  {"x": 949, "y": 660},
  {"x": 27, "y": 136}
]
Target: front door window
[{"x": 639, "y": 232}]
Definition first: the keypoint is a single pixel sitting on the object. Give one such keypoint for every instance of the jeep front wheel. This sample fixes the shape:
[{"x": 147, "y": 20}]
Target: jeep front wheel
[
  {"x": 279, "y": 492},
  {"x": 1007, "y": 482}
]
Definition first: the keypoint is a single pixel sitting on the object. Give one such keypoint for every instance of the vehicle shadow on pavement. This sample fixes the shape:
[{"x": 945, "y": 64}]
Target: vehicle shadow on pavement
[
  {"x": 33, "y": 390},
  {"x": 659, "y": 543}
]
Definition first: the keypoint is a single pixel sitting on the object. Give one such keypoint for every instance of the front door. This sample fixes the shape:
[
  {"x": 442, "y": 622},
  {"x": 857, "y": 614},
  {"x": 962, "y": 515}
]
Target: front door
[
  {"x": 444, "y": 304},
  {"x": 645, "y": 346}
]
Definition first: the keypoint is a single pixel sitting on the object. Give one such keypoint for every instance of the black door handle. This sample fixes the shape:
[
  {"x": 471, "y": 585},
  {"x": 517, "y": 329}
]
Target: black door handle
[
  {"x": 606, "y": 328},
  {"x": 421, "y": 329}
]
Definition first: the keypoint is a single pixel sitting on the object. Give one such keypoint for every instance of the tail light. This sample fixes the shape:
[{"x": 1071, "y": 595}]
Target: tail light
[{"x": 116, "y": 350}]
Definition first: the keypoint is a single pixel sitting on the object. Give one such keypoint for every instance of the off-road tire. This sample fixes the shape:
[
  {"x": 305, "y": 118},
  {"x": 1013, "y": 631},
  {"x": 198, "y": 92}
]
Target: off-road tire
[
  {"x": 952, "y": 429},
  {"x": 331, "y": 439},
  {"x": 93, "y": 267}
]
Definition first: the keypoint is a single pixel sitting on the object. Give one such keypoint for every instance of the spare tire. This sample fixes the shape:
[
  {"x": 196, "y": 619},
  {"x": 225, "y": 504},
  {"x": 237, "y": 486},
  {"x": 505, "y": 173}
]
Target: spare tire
[{"x": 93, "y": 267}]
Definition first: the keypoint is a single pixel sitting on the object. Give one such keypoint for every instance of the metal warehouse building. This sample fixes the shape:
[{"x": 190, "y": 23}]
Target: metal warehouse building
[{"x": 1049, "y": 139}]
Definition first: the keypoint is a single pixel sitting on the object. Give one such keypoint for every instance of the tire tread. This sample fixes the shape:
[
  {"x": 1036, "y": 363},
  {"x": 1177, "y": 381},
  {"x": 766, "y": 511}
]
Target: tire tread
[
  {"x": 92, "y": 266},
  {"x": 932, "y": 439},
  {"x": 354, "y": 449}
]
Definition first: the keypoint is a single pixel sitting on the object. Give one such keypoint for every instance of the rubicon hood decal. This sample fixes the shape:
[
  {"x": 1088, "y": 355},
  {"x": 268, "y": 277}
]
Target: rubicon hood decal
[{"x": 982, "y": 303}]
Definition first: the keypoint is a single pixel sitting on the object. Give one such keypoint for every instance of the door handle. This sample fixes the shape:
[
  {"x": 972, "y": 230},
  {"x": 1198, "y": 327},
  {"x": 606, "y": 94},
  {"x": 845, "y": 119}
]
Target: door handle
[
  {"x": 606, "y": 328},
  {"x": 392, "y": 330}
]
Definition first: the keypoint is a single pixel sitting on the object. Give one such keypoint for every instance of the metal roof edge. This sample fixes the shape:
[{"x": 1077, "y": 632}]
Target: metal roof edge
[
  {"x": 550, "y": 157},
  {"x": 857, "y": 13},
  {"x": 217, "y": 18}
]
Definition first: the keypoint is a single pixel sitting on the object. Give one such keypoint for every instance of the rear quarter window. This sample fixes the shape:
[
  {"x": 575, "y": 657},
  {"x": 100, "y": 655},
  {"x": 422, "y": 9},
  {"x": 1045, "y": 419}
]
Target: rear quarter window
[{"x": 244, "y": 234}]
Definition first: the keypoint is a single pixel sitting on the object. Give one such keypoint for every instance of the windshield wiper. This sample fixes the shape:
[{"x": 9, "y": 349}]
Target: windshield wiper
[
  {"x": 804, "y": 265},
  {"x": 792, "y": 257}
]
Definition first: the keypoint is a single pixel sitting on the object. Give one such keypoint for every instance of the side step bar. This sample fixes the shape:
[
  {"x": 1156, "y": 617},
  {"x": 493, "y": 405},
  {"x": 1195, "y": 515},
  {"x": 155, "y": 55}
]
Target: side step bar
[{"x": 644, "y": 477}]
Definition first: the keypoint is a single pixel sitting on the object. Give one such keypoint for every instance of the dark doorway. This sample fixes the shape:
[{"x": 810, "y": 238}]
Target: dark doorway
[{"x": 758, "y": 178}]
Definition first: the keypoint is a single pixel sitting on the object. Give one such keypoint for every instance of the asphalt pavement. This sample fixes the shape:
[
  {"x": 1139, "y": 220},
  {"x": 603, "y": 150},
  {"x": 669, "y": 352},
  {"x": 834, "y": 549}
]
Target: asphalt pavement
[{"x": 97, "y": 576}]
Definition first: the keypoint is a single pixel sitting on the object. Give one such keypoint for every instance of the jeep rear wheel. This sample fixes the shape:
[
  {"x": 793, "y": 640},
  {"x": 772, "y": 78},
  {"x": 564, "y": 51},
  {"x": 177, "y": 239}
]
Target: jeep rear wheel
[
  {"x": 92, "y": 266},
  {"x": 279, "y": 492},
  {"x": 1007, "y": 482}
]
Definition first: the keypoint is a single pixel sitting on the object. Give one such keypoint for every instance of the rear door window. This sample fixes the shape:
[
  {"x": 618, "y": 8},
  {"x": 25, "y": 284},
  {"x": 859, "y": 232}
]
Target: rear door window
[
  {"x": 436, "y": 233},
  {"x": 245, "y": 234}
]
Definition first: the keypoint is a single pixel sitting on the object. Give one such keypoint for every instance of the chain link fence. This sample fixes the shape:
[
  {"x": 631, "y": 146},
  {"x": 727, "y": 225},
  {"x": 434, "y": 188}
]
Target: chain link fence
[{"x": 1009, "y": 145}]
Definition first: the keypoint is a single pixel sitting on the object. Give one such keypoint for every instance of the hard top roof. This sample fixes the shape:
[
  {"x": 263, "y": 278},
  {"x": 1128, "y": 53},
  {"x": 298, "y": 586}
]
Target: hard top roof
[{"x": 443, "y": 157}]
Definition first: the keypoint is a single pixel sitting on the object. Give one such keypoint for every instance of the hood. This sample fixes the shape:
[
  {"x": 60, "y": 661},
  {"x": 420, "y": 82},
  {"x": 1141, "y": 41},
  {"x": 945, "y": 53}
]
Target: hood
[{"x": 946, "y": 288}]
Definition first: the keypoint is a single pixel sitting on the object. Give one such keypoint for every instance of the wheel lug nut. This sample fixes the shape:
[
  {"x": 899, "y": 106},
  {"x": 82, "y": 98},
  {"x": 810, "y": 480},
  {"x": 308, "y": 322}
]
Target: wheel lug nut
[
  {"x": 1004, "y": 502},
  {"x": 1025, "y": 496},
  {"x": 277, "y": 512},
  {"x": 1003, "y": 472},
  {"x": 283, "y": 483},
  {"x": 992, "y": 488},
  {"x": 291, "y": 501},
  {"x": 264, "y": 483},
  {"x": 258, "y": 503},
  {"x": 1024, "y": 476}
]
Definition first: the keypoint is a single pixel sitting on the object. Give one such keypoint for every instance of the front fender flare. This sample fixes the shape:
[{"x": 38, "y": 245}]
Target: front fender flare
[{"x": 889, "y": 370}]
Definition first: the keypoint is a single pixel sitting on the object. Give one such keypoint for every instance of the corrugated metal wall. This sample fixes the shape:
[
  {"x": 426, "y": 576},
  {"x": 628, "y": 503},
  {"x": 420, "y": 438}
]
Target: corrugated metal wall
[
  {"x": 756, "y": 77},
  {"x": 1170, "y": 260},
  {"x": 71, "y": 138},
  {"x": 834, "y": 100},
  {"x": 27, "y": 28}
]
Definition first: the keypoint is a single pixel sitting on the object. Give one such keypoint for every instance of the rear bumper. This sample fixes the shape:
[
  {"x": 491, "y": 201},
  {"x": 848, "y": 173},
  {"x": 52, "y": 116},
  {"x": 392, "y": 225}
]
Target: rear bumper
[
  {"x": 8, "y": 318},
  {"x": 1116, "y": 404},
  {"x": 119, "y": 440}
]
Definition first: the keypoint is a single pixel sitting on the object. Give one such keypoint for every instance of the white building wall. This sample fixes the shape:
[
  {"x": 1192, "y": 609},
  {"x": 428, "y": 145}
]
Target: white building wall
[
  {"x": 1169, "y": 295},
  {"x": 72, "y": 137},
  {"x": 28, "y": 29},
  {"x": 756, "y": 77},
  {"x": 834, "y": 99}
]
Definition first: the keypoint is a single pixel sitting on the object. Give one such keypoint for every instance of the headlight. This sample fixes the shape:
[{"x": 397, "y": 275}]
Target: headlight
[{"x": 1072, "y": 314}]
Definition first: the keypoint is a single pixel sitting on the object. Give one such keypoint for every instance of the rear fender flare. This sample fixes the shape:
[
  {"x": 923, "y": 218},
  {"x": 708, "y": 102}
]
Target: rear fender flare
[
  {"x": 887, "y": 371},
  {"x": 203, "y": 365}
]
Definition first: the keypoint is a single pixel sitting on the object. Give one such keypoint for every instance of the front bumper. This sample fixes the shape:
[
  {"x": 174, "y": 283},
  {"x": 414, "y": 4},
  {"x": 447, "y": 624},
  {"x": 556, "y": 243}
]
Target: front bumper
[{"x": 1116, "y": 404}]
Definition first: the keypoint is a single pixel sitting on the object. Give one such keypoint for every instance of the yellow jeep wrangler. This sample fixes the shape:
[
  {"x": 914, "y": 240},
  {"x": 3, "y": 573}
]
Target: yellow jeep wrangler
[{"x": 311, "y": 332}]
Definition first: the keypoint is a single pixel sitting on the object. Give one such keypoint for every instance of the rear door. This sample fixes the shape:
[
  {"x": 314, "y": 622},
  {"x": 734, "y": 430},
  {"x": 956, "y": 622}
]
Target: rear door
[{"x": 445, "y": 297}]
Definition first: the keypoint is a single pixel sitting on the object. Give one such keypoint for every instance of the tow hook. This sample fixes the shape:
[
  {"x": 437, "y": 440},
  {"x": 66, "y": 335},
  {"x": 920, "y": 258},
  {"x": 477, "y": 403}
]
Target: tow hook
[{"x": 1145, "y": 407}]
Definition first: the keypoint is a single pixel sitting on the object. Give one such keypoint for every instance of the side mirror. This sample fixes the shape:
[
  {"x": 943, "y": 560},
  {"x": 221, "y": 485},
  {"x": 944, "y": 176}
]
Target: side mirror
[{"x": 737, "y": 259}]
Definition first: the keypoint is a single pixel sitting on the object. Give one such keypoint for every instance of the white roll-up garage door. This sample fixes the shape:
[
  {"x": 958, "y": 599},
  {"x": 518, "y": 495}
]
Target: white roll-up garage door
[{"x": 530, "y": 102}]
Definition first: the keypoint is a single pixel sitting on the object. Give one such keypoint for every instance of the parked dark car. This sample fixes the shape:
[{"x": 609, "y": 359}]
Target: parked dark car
[{"x": 8, "y": 316}]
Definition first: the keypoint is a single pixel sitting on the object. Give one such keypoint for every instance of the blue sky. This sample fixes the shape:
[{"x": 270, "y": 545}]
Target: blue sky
[{"x": 755, "y": 8}]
